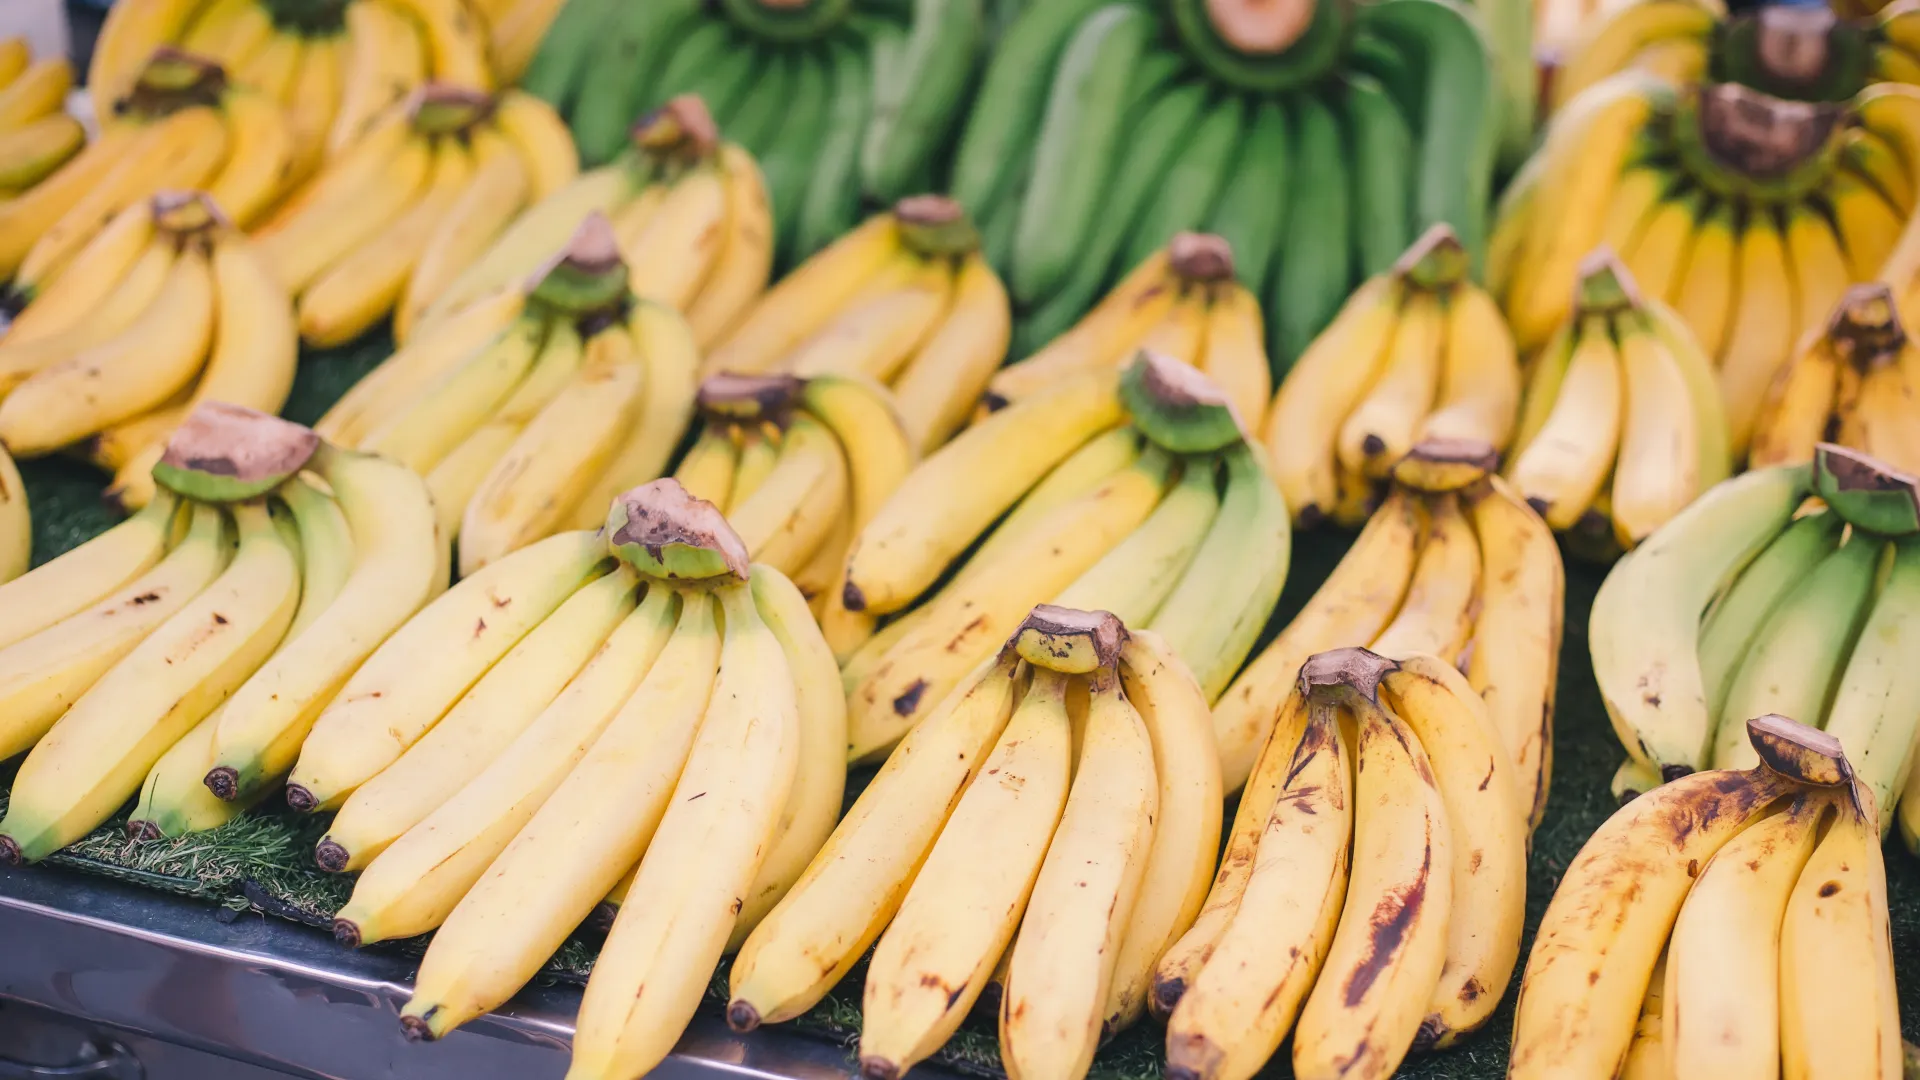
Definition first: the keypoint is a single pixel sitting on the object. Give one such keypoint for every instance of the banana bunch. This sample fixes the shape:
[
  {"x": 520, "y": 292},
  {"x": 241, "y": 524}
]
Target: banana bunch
[
  {"x": 182, "y": 125},
  {"x": 1855, "y": 383},
  {"x": 689, "y": 216},
  {"x": 1183, "y": 302},
  {"x": 167, "y": 307},
  {"x": 531, "y": 408},
  {"x": 1078, "y": 496},
  {"x": 1622, "y": 425},
  {"x": 836, "y": 98},
  {"x": 265, "y": 569},
  {"x": 1755, "y": 599},
  {"x": 1317, "y": 137},
  {"x": 1454, "y": 563},
  {"x": 16, "y": 521},
  {"x": 332, "y": 66},
  {"x": 1051, "y": 827},
  {"x": 1418, "y": 352},
  {"x": 515, "y": 31},
  {"x": 798, "y": 466},
  {"x": 395, "y": 217},
  {"x": 1749, "y": 214},
  {"x": 906, "y": 300},
  {"x": 1768, "y": 869},
  {"x": 1387, "y": 820},
  {"x": 36, "y": 134}
]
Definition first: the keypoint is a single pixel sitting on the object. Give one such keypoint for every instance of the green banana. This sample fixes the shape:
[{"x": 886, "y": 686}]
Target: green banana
[
  {"x": 1382, "y": 145},
  {"x": 1509, "y": 32},
  {"x": 912, "y": 115},
  {"x": 726, "y": 81},
  {"x": 565, "y": 54},
  {"x": 789, "y": 155},
  {"x": 763, "y": 110},
  {"x": 1316, "y": 254},
  {"x": 624, "y": 65},
  {"x": 1371, "y": 54},
  {"x": 1250, "y": 213},
  {"x": 832, "y": 197},
  {"x": 1076, "y": 148},
  {"x": 1003, "y": 217},
  {"x": 1309, "y": 57},
  {"x": 1878, "y": 702},
  {"x": 1192, "y": 182},
  {"x": 1741, "y": 611},
  {"x": 789, "y": 25}
]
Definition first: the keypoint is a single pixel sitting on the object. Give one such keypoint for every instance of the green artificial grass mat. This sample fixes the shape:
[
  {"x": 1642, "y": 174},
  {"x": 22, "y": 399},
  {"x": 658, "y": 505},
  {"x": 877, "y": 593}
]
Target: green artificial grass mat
[{"x": 264, "y": 860}]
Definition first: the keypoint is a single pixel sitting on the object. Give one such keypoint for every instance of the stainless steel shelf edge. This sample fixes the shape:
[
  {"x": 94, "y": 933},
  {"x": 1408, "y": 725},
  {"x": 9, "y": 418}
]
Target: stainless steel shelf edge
[{"x": 286, "y": 997}]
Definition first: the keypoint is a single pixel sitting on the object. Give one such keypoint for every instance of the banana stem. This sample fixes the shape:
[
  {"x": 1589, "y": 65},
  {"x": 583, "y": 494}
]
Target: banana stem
[
  {"x": 1201, "y": 257},
  {"x": 1177, "y": 407},
  {"x": 1793, "y": 44},
  {"x": 439, "y": 109},
  {"x": 589, "y": 277},
  {"x": 1865, "y": 328},
  {"x": 226, "y": 453},
  {"x": 308, "y": 17},
  {"x": 664, "y": 532},
  {"x": 1070, "y": 641},
  {"x": 173, "y": 80},
  {"x": 1260, "y": 27},
  {"x": 1760, "y": 137},
  {"x": 1435, "y": 261},
  {"x": 769, "y": 399},
  {"x": 936, "y": 226}
]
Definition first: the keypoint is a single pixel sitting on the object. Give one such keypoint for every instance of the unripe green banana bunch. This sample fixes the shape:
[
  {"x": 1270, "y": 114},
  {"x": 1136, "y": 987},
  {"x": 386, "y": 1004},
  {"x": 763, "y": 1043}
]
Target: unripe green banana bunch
[
  {"x": 528, "y": 411},
  {"x": 1079, "y": 496},
  {"x": 1418, "y": 352},
  {"x": 36, "y": 134},
  {"x": 1757, "y": 599},
  {"x": 1731, "y": 895},
  {"x": 265, "y": 569},
  {"x": 1856, "y": 379}
]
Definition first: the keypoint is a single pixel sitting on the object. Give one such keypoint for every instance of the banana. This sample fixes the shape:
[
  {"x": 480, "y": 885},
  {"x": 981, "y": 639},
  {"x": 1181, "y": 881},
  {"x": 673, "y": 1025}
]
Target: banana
[
  {"x": 1380, "y": 429},
  {"x": 26, "y": 217},
  {"x": 1182, "y": 332},
  {"x": 1820, "y": 272},
  {"x": 1868, "y": 225},
  {"x": 327, "y": 555},
  {"x": 759, "y": 453},
  {"x": 456, "y": 42},
  {"x": 411, "y": 886},
  {"x": 1658, "y": 257},
  {"x": 540, "y": 137},
  {"x": 790, "y": 515},
  {"x": 1760, "y": 334},
  {"x": 1871, "y": 713},
  {"x": 97, "y": 754},
  {"x": 261, "y": 152},
  {"x": 1608, "y": 44},
  {"x": 1135, "y": 577},
  {"x": 1876, "y": 410},
  {"x": 97, "y": 269},
  {"x": 745, "y": 260},
  {"x": 16, "y": 523},
  {"x": 1656, "y": 473},
  {"x": 969, "y": 894},
  {"x": 483, "y": 208},
  {"x": 666, "y": 346},
  {"x": 1636, "y": 199},
  {"x": 674, "y": 255},
  {"x": 72, "y": 582},
  {"x": 1479, "y": 392},
  {"x": 411, "y": 679},
  {"x": 172, "y": 800},
  {"x": 1436, "y": 616},
  {"x": 706, "y": 470},
  {"x": 384, "y": 61},
  {"x": 1647, "y": 1057},
  {"x": 313, "y": 99},
  {"x": 796, "y": 307},
  {"x": 36, "y": 150},
  {"x": 426, "y": 428},
  {"x": 127, "y": 38},
  {"x": 1236, "y": 352},
  {"x": 704, "y": 856},
  {"x": 877, "y": 336},
  {"x": 1563, "y": 467},
  {"x": 301, "y": 246},
  {"x": 596, "y": 822},
  {"x": 1741, "y": 609},
  {"x": 517, "y": 32},
  {"x": 1102, "y": 338}
]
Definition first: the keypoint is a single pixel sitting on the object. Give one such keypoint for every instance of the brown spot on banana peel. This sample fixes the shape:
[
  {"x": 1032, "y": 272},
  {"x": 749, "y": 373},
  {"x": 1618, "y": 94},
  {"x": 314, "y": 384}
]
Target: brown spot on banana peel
[{"x": 1387, "y": 927}]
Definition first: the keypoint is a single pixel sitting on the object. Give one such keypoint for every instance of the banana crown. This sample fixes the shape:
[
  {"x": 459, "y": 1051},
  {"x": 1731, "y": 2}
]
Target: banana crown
[
  {"x": 226, "y": 453},
  {"x": 441, "y": 109},
  {"x": 675, "y": 137},
  {"x": 664, "y": 532},
  {"x": 588, "y": 276},
  {"x": 1177, "y": 407},
  {"x": 1870, "y": 494},
  {"x": 173, "y": 79},
  {"x": 1068, "y": 640},
  {"x": 935, "y": 225}
]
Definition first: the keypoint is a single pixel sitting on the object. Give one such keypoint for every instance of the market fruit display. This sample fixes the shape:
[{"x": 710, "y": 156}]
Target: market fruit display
[
  {"x": 1454, "y": 563},
  {"x": 181, "y": 125},
  {"x": 241, "y": 574},
  {"x": 1753, "y": 883},
  {"x": 168, "y": 306},
  {"x": 398, "y": 213},
  {"x": 839, "y": 99},
  {"x": 1755, "y": 599},
  {"x": 1854, "y": 383},
  {"x": 1374, "y": 884},
  {"x": 1016, "y": 838},
  {"x": 527, "y": 411},
  {"x": 1318, "y": 138},
  {"x": 1080, "y": 496},
  {"x": 36, "y": 134},
  {"x": 1746, "y": 213},
  {"x": 689, "y": 215},
  {"x": 906, "y": 299},
  {"x": 1184, "y": 302},
  {"x": 1417, "y": 352}
]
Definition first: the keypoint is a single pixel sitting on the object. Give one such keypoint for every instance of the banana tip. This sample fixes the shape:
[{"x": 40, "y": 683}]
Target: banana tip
[
  {"x": 224, "y": 782},
  {"x": 142, "y": 830},
  {"x": 1166, "y": 995},
  {"x": 879, "y": 1068},
  {"x": 301, "y": 799},
  {"x": 415, "y": 1029},
  {"x": 347, "y": 933},
  {"x": 331, "y": 856},
  {"x": 742, "y": 1016},
  {"x": 9, "y": 851}
]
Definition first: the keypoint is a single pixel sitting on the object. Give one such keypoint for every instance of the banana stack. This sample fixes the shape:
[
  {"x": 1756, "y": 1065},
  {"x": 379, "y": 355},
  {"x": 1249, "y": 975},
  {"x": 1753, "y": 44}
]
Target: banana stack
[
  {"x": 1675, "y": 941},
  {"x": 1319, "y": 138},
  {"x": 1757, "y": 600},
  {"x": 1622, "y": 425},
  {"x": 798, "y": 466},
  {"x": 1749, "y": 214},
  {"x": 268, "y": 566},
  {"x": 836, "y": 98},
  {"x": 906, "y": 300},
  {"x": 1184, "y": 302},
  {"x": 36, "y": 134},
  {"x": 1418, "y": 352},
  {"x": 168, "y": 306},
  {"x": 181, "y": 125},
  {"x": 1454, "y": 563},
  {"x": 331, "y": 66},
  {"x": 1856, "y": 383},
  {"x": 1103, "y": 501},
  {"x": 1390, "y": 827},
  {"x": 533, "y": 407},
  {"x": 16, "y": 521},
  {"x": 1047, "y": 832},
  {"x": 391, "y": 220},
  {"x": 689, "y": 215}
]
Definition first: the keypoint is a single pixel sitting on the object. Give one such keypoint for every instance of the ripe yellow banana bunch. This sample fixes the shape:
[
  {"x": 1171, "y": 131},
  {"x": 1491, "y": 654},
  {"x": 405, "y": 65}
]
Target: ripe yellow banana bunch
[
  {"x": 266, "y": 568},
  {"x": 1622, "y": 424},
  {"x": 689, "y": 212},
  {"x": 1048, "y": 831},
  {"x": 1454, "y": 563},
  {"x": 536, "y": 405},
  {"x": 36, "y": 134},
  {"x": 1764, "y": 890},
  {"x": 1149, "y": 503},
  {"x": 16, "y": 522},
  {"x": 169, "y": 306},
  {"x": 1374, "y": 884},
  {"x": 906, "y": 300},
  {"x": 1183, "y": 302},
  {"x": 182, "y": 125},
  {"x": 515, "y": 29},
  {"x": 1857, "y": 382},
  {"x": 331, "y": 67},
  {"x": 1757, "y": 600},
  {"x": 1418, "y": 352},
  {"x": 396, "y": 216}
]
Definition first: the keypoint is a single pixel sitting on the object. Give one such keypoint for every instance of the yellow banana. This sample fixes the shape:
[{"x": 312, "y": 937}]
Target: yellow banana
[
  {"x": 313, "y": 99},
  {"x": 385, "y": 59},
  {"x": 1479, "y": 392},
  {"x": 671, "y": 259},
  {"x": 1658, "y": 257},
  {"x": 540, "y": 136},
  {"x": 1657, "y": 472},
  {"x": 1101, "y": 338},
  {"x": 32, "y": 152},
  {"x": 1759, "y": 336},
  {"x": 1563, "y": 468},
  {"x": 745, "y": 260},
  {"x": 1236, "y": 353},
  {"x": 1380, "y": 429},
  {"x": 1622, "y": 33},
  {"x": 301, "y": 247},
  {"x": 368, "y": 405},
  {"x": 442, "y": 414},
  {"x": 498, "y": 188},
  {"x": 127, "y": 38},
  {"x": 1437, "y": 614},
  {"x": 802, "y": 301},
  {"x": 1707, "y": 295},
  {"x": 877, "y": 337},
  {"x": 39, "y": 90}
]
